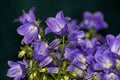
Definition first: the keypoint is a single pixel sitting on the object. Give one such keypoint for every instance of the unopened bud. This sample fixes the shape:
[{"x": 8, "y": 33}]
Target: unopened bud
[
  {"x": 31, "y": 63},
  {"x": 42, "y": 70},
  {"x": 31, "y": 77},
  {"x": 118, "y": 64},
  {"x": 74, "y": 74},
  {"x": 66, "y": 78},
  {"x": 87, "y": 35},
  {"x": 39, "y": 36},
  {"x": 21, "y": 54}
]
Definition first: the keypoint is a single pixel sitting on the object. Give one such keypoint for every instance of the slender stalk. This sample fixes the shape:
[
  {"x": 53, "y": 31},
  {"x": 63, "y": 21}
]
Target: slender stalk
[{"x": 61, "y": 54}]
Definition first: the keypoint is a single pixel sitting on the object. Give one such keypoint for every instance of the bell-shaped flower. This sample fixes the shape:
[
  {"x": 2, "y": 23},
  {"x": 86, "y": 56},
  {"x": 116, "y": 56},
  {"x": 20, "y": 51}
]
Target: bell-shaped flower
[
  {"x": 57, "y": 25},
  {"x": 27, "y": 17},
  {"x": 104, "y": 61},
  {"x": 109, "y": 76},
  {"x": 17, "y": 70},
  {"x": 29, "y": 31},
  {"x": 114, "y": 44},
  {"x": 29, "y": 28},
  {"x": 95, "y": 21}
]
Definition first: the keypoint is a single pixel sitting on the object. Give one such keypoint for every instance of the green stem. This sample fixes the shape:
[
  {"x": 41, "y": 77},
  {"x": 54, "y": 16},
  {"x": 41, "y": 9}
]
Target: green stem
[{"x": 62, "y": 51}]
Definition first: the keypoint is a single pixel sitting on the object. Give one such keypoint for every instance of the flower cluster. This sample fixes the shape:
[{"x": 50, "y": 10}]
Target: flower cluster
[{"x": 77, "y": 52}]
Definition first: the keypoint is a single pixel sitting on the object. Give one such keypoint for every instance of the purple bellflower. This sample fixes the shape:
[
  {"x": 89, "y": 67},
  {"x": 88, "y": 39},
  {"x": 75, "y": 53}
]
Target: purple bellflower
[
  {"x": 109, "y": 76},
  {"x": 73, "y": 27},
  {"x": 78, "y": 60},
  {"x": 17, "y": 70},
  {"x": 114, "y": 44},
  {"x": 77, "y": 38},
  {"x": 27, "y": 17},
  {"x": 104, "y": 60},
  {"x": 42, "y": 52},
  {"x": 29, "y": 28},
  {"x": 95, "y": 21},
  {"x": 57, "y": 25}
]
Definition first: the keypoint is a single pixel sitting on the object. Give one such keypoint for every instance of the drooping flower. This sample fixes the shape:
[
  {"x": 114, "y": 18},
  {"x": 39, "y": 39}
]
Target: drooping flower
[
  {"x": 95, "y": 21},
  {"x": 114, "y": 44},
  {"x": 17, "y": 70},
  {"x": 57, "y": 25},
  {"x": 29, "y": 28}
]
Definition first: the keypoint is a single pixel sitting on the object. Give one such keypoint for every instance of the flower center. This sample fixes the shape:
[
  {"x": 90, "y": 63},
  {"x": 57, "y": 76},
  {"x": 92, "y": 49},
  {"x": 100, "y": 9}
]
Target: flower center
[
  {"x": 111, "y": 76},
  {"x": 83, "y": 59},
  {"x": 107, "y": 64},
  {"x": 34, "y": 29}
]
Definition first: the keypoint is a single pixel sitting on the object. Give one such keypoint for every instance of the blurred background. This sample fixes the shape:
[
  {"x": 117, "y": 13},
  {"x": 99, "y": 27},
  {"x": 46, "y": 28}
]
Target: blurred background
[{"x": 11, "y": 9}]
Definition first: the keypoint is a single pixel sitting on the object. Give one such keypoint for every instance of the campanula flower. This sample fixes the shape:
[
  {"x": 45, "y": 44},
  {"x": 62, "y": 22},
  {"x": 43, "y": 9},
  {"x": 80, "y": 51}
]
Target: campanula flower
[
  {"x": 114, "y": 44},
  {"x": 109, "y": 76},
  {"x": 40, "y": 50},
  {"x": 54, "y": 43},
  {"x": 29, "y": 31},
  {"x": 57, "y": 25},
  {"x": 95, "y": 21},
  {"x": 73, "y": 27},
  {"x": 17, "y": 70},
  {"x": 104, "y": 60},
  {"x": 76, "y": 38},
  {"x": 29, "y": 28},
  {"x": 27, "y": 17}
]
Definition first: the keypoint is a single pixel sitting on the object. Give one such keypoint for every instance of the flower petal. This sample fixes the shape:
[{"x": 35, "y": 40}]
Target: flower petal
[
  {"x": 52, "y": 70},
  {"x": 47, "y": 30},
  {"x": 87, "y": 15},
  {"x": 45, "y": 62},
  {"x": 12, "y": 64},
  {"x": 54, "y": 43},
  {"x": 53, "y": 25}
]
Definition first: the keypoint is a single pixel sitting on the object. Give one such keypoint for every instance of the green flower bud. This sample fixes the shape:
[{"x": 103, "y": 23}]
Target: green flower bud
[{"x": 21, "y": 54}]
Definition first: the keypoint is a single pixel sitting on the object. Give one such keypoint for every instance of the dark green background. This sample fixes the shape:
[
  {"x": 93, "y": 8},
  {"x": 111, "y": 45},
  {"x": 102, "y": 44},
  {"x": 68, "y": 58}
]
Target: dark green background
[{"x": 11, "y": 9}]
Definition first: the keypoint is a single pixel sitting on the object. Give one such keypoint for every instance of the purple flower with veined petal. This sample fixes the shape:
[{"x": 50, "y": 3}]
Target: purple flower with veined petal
[
  {"x": 95, "y": 20},
  {"x": 104, "y": 60},
  {"x": 46, "y": 61},
  {"x": 54, "y": 43},
  {"x": 109, "y": 76},
  {"x": 76, "y": 57},
  {"x": 29, "y": 31},
  {"x": 30, "y": 28},
  {"x": 17, "y": 70},
  {"x": 40, "y": 50},
  {"x": 73, "y": 27},
  {"x": 27, "y": 17},
  {"x": 57, "y": 25},
  {"x": 76, "y": 38},
  {"x": 114, "y": 44}
]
